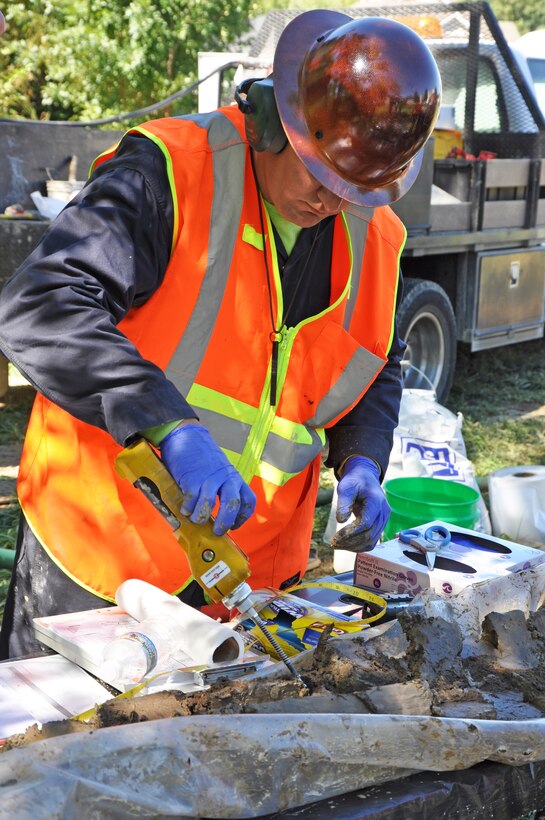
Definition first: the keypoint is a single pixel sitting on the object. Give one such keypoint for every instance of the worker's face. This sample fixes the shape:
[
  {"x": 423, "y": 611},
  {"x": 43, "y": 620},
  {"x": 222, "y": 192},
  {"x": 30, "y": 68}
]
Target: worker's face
[{"x": 294, "y": 192}]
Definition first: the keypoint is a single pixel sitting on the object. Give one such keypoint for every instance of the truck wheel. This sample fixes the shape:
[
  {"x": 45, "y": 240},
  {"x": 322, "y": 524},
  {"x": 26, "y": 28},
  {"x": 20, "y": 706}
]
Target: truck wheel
[{"x": 427, "y": 324}]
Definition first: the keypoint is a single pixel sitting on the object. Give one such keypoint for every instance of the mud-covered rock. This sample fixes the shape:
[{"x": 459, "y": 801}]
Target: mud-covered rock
[{"x": 434, "y": 645}]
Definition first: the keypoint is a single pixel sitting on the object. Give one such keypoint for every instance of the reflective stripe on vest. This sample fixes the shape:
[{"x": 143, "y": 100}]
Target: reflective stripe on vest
[{"x": 224, "y": 221}]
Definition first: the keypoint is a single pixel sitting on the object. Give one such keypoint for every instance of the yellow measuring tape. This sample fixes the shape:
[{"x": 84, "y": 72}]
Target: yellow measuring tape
[{"x": 354, "y": 592}]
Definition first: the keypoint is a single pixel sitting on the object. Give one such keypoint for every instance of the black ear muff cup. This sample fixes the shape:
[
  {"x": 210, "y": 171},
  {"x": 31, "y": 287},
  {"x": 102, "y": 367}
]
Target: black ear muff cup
[{"x": 264, "y": 130}]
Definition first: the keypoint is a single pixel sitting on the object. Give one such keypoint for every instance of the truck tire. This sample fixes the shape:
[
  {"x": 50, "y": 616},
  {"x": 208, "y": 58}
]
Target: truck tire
[{"x": 427, "y": 323}]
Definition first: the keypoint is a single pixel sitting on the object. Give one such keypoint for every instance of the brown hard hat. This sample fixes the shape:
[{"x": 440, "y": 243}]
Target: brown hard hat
[{"x": 358, "y": 99}]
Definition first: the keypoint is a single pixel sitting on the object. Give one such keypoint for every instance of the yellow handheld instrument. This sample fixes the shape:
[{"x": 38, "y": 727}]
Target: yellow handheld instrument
[{"x": 217, "y": 563}]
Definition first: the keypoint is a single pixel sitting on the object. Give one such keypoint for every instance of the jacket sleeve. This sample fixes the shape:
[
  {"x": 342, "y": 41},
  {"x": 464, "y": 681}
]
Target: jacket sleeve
[
  {"x": 368, "y": 429},
  {"x": 106, "y": 252}
]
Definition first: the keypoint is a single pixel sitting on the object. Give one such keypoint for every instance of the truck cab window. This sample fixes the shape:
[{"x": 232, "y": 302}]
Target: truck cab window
[
  {"x": 453, "y": 68},
  {"x": 537, "y": 70}
]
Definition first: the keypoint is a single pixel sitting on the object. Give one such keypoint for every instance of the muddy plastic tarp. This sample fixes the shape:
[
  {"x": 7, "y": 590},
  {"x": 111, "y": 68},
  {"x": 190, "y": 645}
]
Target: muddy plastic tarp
[
  {"x": 245, "y": 765},
  {"x": 488, "y": 791}
]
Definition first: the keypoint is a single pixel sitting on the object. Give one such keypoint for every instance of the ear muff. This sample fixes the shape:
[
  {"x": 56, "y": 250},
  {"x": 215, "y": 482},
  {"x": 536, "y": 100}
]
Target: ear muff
[{"x": 264, "y": 131}]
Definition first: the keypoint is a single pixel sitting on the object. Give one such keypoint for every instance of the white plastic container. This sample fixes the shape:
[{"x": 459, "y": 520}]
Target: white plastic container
[{"x": 132, "y": 656}]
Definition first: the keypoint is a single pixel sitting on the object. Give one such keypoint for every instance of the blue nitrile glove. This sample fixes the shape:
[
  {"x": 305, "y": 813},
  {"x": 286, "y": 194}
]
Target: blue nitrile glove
[
  {"x": 359, "y": 492},
  {"x": 203, "y": 473}
]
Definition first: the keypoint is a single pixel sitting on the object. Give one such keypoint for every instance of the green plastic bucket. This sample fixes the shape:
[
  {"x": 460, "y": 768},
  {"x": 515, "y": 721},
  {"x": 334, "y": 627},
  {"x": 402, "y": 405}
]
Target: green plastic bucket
[{"x": 416, "y": 501}]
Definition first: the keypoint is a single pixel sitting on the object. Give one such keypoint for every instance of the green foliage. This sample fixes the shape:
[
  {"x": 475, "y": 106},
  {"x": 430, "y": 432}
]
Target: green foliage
[
  {"x": 528, "y": 16},
  {"x": 9, "y": 523},
  {"x": 85, "y": 59},
  {"x": 5, "y": 576},
  {"x": 90, "y": 59},
  {"x": 262, "y": 6},
  {"x": 14, "y": 413}
]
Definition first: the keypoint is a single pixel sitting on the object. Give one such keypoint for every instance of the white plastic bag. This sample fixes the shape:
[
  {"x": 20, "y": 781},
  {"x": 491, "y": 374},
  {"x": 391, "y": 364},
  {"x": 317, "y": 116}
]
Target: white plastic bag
[{"x": 47, "y": 206}]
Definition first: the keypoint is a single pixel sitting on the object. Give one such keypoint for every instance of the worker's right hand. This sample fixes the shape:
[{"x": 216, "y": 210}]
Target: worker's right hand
[{"x": 204, "y": 474}]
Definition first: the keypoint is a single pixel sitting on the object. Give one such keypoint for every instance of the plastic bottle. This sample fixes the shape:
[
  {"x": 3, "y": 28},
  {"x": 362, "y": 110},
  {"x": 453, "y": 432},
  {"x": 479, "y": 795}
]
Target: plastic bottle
[{"x": 132, "y": 656}]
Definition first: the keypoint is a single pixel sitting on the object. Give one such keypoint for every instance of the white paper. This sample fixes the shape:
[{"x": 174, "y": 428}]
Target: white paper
[
  {"x": 47, "y": 206},
  {"x": 39, "y": 690},
  {"x": 82, "y": 636}
]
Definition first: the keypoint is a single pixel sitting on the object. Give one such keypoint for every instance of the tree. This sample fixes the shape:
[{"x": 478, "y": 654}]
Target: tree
[
  {"x": 85, "y": 59},
  {"x": 528, "y": 16}
]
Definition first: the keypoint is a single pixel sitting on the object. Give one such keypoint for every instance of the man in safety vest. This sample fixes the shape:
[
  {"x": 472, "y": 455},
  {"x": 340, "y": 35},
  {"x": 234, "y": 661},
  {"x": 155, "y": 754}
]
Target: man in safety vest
[{"x": 225, "y": 286}]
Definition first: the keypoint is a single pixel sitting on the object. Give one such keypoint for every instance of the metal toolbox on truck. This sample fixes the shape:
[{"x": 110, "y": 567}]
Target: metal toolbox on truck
[{"x": 510, "y": 296}]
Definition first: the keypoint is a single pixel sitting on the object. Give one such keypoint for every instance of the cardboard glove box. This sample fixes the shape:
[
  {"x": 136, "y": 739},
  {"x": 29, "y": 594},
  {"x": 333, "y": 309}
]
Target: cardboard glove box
[{"x": 469, "y": 559}]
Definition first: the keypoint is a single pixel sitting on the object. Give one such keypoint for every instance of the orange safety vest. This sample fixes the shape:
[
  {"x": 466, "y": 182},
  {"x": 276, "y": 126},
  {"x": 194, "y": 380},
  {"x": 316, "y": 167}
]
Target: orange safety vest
[{"x": 208, "y": 327}]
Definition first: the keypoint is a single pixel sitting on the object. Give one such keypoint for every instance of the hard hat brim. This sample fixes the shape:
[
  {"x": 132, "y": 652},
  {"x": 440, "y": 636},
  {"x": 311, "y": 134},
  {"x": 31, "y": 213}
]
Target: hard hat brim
[{"x": 295, "y": 41}]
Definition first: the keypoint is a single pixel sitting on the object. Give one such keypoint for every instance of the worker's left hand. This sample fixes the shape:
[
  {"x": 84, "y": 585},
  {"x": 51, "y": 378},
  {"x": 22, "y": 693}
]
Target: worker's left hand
[{"x": 359, "y": 493}]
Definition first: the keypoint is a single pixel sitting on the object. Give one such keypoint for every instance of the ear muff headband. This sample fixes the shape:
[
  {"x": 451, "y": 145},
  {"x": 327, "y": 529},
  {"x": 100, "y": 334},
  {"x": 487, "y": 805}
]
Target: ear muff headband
[{"x": 256, "y": 100}]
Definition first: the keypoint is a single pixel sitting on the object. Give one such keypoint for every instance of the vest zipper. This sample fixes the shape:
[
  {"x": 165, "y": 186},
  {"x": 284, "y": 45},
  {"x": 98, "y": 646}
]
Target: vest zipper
[
  {"x": 274, "y": 367},
  {"x": 255, "y": 444},
  {"x": 282, "y": 342}
]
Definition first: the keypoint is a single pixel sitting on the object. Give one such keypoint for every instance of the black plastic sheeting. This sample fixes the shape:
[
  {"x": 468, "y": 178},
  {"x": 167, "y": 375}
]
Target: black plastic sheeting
[{"x": 489, "y": 790}]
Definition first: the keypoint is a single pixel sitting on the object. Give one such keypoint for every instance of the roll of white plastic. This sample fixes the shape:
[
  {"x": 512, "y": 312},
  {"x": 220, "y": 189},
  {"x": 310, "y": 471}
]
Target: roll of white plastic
[
  {"x": 517, "y": 502},
  {"x": 199, "y": 636}
]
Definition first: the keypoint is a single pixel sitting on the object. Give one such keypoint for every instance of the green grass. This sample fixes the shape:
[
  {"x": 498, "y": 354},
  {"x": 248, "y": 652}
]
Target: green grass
[
  {"x": 9, "y": 520},
  {"x": 14, "y": 412},
  {"x": 9, "y": 517},
  {"x": 501, "y": 395}
]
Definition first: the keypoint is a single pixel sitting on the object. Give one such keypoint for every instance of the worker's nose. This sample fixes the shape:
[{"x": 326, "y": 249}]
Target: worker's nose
[{"x": 330, "y": 203}]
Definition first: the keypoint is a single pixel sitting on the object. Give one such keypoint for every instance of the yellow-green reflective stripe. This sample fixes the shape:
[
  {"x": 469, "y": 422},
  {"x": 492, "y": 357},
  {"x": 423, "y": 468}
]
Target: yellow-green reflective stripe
[
  {"x": 207, "y": 399},
  {"x": 253, "y": 450},
  {"x": 272, "y": 474},
  {"x": 293, "y": 431},
  {"x": 292, "y": 450},
  {"x": 253, "y": 237},
  {"x": 210, "y": 399},
  {"x": 276, "y": 272},
  {"x": 170, "y": 173},
  {"x": 113, "y": 148}
]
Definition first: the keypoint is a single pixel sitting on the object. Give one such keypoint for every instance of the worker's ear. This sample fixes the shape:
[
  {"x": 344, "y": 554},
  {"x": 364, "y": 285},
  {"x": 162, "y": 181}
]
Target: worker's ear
[{"x": 264, "y": 130}]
